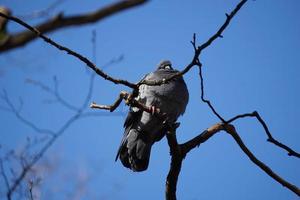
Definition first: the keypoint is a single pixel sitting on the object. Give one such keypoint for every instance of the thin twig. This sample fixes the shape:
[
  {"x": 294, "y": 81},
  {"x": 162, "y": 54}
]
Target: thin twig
[
  {"x": 200, "y": 48},
  {"x": 71, "y": 52},
  {"x": 231, "y": 130},
  {"x": 270, "y": 139},
  {"x": 31, "y": 184},
  {"x": 22, "y": 119},
  {"x": 111, "y": 108},
  {"x": 130, "y": 101},
  {"x": 205, "y": 100},
  {"x": 3, "y": 174},
  {"x": 41, "y": 13},
  {"x": 61, "y": 21},
  {"x": 26, "y": 167},
  {"x": 90, "y": 92},
  {"x": 54, "y": 92}
]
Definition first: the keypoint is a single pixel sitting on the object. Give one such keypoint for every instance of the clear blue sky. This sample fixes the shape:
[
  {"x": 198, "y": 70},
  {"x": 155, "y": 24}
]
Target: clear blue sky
[{"x": 254, "y": 67}]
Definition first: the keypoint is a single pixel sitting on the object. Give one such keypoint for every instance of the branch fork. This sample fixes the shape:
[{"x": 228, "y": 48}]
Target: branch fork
[{"x": 129, "y": 100}]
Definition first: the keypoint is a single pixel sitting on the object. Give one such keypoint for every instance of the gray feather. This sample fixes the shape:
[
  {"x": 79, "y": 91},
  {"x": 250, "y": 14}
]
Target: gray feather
[{"x": 142, "y": 129}]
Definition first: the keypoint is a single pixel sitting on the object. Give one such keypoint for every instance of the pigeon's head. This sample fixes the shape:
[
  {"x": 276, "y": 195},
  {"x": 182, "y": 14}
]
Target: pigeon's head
[{"x": 165, "y": 65}]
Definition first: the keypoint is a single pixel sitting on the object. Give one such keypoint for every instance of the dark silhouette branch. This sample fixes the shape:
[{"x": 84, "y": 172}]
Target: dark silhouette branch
[
  {"x": 231, "y": 130},
  {"x": 205, "y": 100},
  {"x": 270, "y": 139},
  {"x": 175, "y": 166},
  {"x": 195, "y": 60},
  {"x": 60, "y": 21},
  {"x": 85, "y": 60},
  {"x": 3, "y": 174},
  {"x": 201, "y": 138},
  {"x": 198, "y": 50},
  {"x": 179, "y": 152},
  {"x": 218, "y": 34},
  {"x": 255, "y": 114}
]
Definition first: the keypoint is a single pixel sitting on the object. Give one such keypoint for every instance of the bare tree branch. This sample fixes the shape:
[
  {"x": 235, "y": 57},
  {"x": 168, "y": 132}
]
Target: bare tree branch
[
  {"x": 13, "y": 109},
  {"x": 60, "y": 21},
  {"x": 3, "y": 174},
  {"x": 205, "y": 100},
  {"x": 41, "y": 13},
  {"x": 111, "y": 108},
  {"x": 80, "y": 112},
  {"x": 179, "y": 151},
  {"x": 130, "y": 101},
  {"x": 254, "y": 114},
  {"x": 39, "y": 155},
  {"x": 231, "y": 130},
  {"x": 27, "y": 166},
  {"x": 175, "y": 166},
  {"x": 270, "y": 139},
  {"x": 31, "y": 185},
  {"x": 71, "y": 52},
  {"x": 198, "y": 50},
  {"x": 201, "y": 138},
  {"x": 54, "y": 92}
]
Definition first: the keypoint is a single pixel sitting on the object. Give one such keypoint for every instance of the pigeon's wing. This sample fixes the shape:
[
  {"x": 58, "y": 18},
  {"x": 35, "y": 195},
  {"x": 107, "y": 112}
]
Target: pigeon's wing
[{"x": 131, "y": 119}]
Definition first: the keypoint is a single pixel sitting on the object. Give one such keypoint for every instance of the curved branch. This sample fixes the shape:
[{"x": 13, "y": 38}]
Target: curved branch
[
  {"x": 231, "y": 130},
  {"x": 198, "y": 50},
  {"x": 181, "y": 150},
  {"x": 16, "y": 112},
  {"x": 270, "y": 139},
  {"x": 178, "y": 153},
  {"x": 85, "y": 60},
  {"x": 206, "y": 100},
  {"x": 24, "y": 37},
  {"x": 201, "y": 138},
  {"x": 53, "y": 92}
]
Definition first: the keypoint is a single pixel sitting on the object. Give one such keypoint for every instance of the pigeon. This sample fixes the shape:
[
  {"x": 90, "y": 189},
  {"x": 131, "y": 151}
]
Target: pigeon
[{"x": 143, "y": 129}]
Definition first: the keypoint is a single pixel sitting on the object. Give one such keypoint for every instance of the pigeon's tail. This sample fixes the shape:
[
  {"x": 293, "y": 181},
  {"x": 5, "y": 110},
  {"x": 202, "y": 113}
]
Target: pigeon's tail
[{"x": 134, "y": 151}]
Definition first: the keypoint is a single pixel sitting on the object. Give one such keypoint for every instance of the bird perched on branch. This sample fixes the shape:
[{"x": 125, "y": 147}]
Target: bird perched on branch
[{"x": 143, "y": 129}]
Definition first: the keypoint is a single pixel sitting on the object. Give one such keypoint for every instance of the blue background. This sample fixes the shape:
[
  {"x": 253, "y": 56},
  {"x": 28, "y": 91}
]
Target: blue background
[{"x": 254, "y": 67}]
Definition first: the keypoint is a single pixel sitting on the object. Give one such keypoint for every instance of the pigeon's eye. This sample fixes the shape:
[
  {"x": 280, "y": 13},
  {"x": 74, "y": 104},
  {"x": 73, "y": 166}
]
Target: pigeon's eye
[{"x": 167, "y": 67}]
